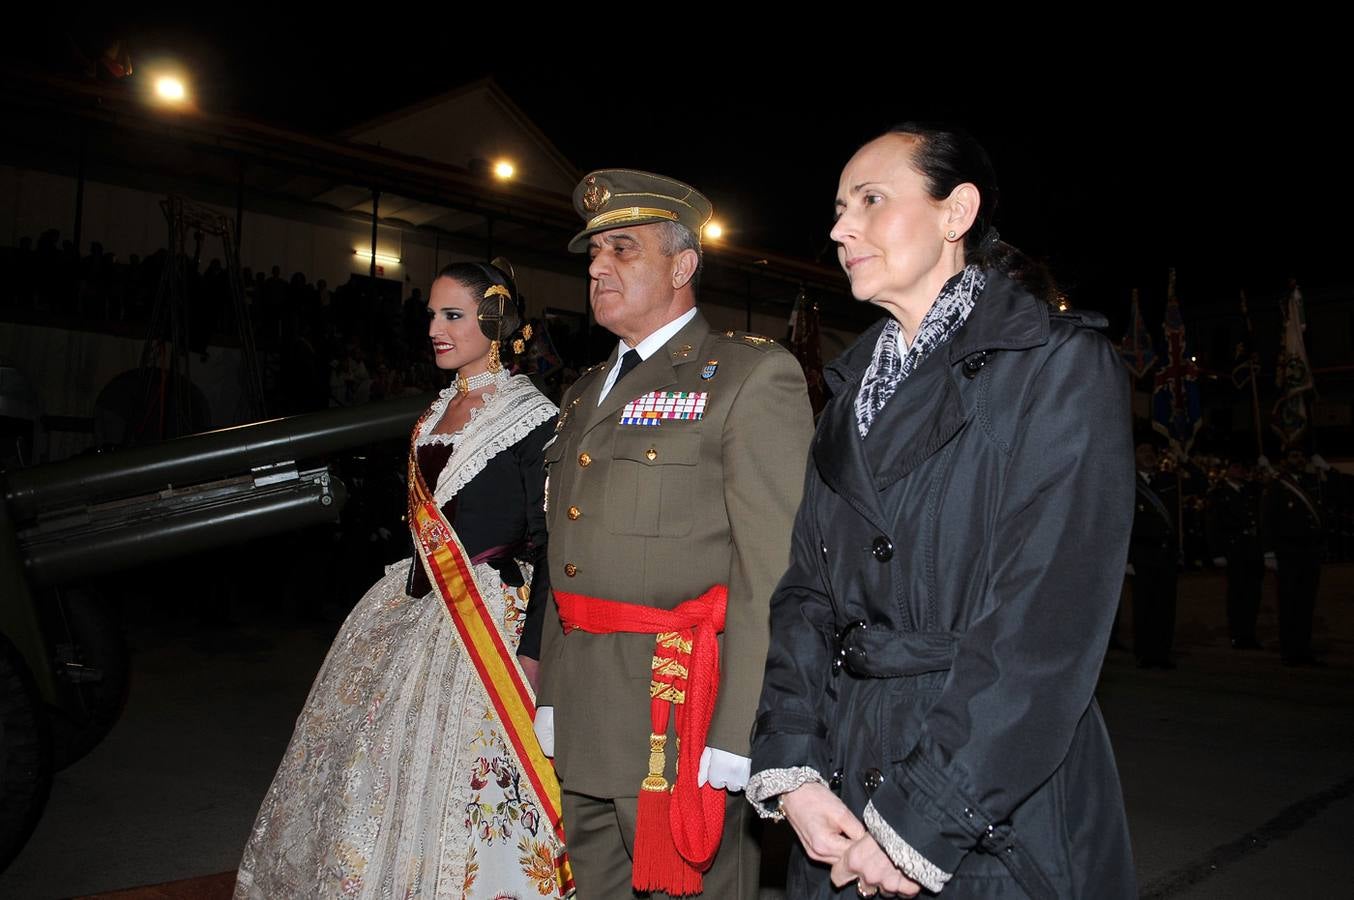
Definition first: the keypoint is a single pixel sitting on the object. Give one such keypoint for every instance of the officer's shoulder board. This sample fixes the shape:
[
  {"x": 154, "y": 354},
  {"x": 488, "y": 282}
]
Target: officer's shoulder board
[
  {"x": 574, "y": 395},
  {"x": 581, "y": 381},
  {"x": 746, "y": 339}
]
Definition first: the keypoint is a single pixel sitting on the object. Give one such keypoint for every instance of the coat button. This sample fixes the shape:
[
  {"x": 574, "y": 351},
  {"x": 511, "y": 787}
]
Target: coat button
[
  {"x": 574, "y": 513},
  {"x": 882, "y": 548},
  {"x": 570, "y": 569},
  {"x": 855, "y": 659},
  {"x": 872, "y": 779},
  {"x": 651, "y": 454},
  {"x": 584, "y": 460},
  {"x": 974, "y": 364},
  {"x": 834, "y": 782}
]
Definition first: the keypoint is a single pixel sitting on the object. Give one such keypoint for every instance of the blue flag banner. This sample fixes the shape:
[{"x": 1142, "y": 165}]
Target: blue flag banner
[{"x": 1176, "y": 408}]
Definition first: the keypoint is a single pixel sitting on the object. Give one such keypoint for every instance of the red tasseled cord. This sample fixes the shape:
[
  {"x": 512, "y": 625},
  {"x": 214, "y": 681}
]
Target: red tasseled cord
[{"x": 658, "y": 866}]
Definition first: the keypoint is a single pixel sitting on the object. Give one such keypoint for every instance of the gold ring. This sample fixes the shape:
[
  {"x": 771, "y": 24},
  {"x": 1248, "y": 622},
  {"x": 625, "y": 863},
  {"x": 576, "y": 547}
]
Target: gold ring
[{"x": 861, "y": 891}]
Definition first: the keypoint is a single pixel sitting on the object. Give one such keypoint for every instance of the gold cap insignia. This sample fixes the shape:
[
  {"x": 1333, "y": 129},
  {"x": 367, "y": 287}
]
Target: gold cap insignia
[{"x": 596, "y": 196}]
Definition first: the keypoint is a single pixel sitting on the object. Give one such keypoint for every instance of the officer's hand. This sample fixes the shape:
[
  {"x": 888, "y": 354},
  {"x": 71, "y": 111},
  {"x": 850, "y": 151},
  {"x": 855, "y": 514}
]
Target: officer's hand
[
  {"x": 872, "y": 870},
  {"x": 544, "y": 726},
  {"x": 723, "y": 770},
  {"x": 1271, "y": 563},
  {"x": 1220, "y": 562},
  {"x": 821, "y": 820}
]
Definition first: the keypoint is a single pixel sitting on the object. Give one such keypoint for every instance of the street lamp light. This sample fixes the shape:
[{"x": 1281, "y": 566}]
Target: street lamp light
[{"x": 170, "y": 89}]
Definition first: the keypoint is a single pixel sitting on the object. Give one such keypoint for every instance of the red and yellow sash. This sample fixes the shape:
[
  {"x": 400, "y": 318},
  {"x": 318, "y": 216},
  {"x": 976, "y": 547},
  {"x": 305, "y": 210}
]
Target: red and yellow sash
[{"x": 449, "y": 569}]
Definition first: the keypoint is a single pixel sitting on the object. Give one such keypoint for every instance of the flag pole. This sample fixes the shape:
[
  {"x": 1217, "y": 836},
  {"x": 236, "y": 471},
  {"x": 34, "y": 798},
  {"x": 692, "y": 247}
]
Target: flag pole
[
  {"x": 1255, "y": 412},
  {"x": 1253, "y": 363},
  {"x": 1179, "y": 507}
]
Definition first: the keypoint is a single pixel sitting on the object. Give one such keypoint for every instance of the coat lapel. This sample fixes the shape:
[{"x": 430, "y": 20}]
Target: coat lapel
[
  {"x": 921, "y": 417},
  {"x": 1004, "y": 318},
  {"x": 838, "y": 451},
  {"x": 586, "y": 403},
  {"x": 653, "y": 374}
]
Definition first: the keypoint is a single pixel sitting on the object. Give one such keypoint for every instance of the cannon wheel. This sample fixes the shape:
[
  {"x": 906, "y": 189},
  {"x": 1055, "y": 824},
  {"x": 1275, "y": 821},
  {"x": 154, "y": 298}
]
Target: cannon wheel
[
  {"x": 92, "y": 664},
  {"x": 25, "y": 754}
]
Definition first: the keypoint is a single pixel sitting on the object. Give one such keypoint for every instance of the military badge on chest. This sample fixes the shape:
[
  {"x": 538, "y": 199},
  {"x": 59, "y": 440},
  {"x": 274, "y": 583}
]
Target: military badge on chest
[{"x": 654, "y": 407}]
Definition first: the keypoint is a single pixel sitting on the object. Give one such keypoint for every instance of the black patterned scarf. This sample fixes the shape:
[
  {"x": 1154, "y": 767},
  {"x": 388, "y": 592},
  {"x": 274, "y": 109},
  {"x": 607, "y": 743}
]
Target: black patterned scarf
[{"x": 888, "y": 366}]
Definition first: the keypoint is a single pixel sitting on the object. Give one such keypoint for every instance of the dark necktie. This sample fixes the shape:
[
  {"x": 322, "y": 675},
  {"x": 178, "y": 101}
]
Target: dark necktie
[{"x": 628, "y": 362}]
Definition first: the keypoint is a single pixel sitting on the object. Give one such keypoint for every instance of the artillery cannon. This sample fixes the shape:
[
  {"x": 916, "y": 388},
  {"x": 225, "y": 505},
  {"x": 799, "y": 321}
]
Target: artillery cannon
[{"x": 65, "y": 523}]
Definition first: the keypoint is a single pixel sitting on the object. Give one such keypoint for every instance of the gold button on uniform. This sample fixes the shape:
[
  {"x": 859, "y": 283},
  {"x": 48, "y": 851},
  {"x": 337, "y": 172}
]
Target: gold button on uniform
[
  {"x": 584, "y": 460},
  {"x": 570, "y": 569},
  {"x": 651, "y": 454},
  {"x": 574, "y": 512}
]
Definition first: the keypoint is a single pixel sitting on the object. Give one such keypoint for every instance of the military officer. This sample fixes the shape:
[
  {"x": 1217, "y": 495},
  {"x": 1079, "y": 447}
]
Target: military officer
[
  {"x": 677, "y": 469},
  {"x": 1153, "y": 552},
  {"x": 1294, "y": 529},
  {"x": 1233, "y": 527}
]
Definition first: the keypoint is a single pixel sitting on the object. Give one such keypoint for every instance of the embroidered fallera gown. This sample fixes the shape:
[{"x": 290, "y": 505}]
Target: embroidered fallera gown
[{"x": 399, "y": 780}]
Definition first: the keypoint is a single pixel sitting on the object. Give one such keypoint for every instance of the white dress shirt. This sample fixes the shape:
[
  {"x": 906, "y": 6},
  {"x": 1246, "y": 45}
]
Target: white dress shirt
[{"x": 646, "y": 348}]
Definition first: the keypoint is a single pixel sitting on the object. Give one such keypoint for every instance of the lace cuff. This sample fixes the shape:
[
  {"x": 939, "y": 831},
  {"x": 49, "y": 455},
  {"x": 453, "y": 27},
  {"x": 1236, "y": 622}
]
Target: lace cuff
[
  {"x": 770, "y": 783},
  {"x": 904, "y": 856}
]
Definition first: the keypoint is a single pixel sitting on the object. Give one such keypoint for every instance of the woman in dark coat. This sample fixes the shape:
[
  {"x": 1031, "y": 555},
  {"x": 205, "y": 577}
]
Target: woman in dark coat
[{"x": 927, "y": 720}]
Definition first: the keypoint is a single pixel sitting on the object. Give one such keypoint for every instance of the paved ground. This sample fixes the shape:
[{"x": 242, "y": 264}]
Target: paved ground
[{"x": 1238, "y": 772}]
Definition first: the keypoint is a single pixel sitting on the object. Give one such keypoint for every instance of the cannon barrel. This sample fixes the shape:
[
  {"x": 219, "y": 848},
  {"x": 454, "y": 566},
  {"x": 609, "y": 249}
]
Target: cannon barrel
[
  {"x": 73, "y": 551},
  {"x": 202, "y": 457}
]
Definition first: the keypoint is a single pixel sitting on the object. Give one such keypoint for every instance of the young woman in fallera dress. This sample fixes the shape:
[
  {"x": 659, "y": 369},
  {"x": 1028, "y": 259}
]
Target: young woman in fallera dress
[{"x": 413, "y": 771}]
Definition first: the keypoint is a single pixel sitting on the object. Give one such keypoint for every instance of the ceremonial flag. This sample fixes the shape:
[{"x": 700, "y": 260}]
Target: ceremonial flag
[
  {"x": 1246, "y": 361},
  {"x": 1293, "y": 375},
  {"x": 1176, "y": 409}
]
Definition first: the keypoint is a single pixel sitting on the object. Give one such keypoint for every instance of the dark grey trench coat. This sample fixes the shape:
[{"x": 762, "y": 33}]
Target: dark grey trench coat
[{"x": 977, "y": 539}]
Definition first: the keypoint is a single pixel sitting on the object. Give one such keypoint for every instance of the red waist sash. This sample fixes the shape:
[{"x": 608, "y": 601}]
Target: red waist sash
[{"x": 685, "y": 818}]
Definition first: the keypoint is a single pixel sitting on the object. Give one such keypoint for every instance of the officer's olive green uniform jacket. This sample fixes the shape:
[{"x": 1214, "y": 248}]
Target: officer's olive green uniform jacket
[{"x": 655, "y": 515}]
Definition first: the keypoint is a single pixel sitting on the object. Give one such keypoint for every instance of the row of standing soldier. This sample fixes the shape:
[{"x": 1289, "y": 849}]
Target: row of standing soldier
[{"x": 1252, "y": 519}]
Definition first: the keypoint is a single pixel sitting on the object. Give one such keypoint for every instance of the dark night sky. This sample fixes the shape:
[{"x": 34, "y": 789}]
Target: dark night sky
[{"x": 1114, "y": 164}]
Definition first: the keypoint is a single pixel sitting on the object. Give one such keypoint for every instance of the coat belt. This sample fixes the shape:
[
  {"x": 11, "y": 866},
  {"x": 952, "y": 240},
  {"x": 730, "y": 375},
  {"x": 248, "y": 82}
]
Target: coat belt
[{"x": 868, "y": 651}]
